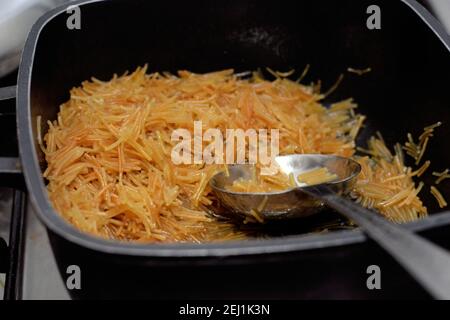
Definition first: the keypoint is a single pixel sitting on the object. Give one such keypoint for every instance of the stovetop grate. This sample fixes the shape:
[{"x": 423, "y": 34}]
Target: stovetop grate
[{"x": 11, "y": 249}]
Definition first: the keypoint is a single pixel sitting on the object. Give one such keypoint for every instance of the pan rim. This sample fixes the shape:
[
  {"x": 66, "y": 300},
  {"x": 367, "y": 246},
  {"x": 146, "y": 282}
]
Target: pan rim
[{"x": 54, "y": 222}]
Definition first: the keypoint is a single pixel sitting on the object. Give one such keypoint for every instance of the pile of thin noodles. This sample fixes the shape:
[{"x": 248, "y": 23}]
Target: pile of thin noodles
[
  {"x": 386, "y": 184},
  {"x": 262, "y": 183},
  {"x": 109, "y": 151},
  {"x": 281, "y": 181},
  {"x": 316, "y": 176}
]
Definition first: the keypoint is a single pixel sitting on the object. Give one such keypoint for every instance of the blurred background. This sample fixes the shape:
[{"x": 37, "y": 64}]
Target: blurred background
[
  {"x": 441, "y": 9},
  {"x": 17, "y": 17}
]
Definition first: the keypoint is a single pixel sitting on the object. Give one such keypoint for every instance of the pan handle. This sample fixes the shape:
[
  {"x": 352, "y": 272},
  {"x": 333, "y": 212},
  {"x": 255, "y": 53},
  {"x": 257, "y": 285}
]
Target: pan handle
[{"x": 10, "y": 167}]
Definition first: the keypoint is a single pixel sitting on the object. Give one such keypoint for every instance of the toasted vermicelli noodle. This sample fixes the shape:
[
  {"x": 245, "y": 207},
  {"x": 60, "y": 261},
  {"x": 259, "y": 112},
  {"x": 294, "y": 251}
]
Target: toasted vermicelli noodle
[
  {"x": 441, "y": 176},
  {"x": 109, "y": 151},
  {"x": 438, "y": 195},
  {"x": 261, "y": 183},
  {"x": 281, "y": 181},
  {"x": 316, "y": 176}
]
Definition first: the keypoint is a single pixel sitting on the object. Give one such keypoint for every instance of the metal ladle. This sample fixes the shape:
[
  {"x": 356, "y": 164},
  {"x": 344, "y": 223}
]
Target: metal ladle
[{"x": 428, "y": 263}]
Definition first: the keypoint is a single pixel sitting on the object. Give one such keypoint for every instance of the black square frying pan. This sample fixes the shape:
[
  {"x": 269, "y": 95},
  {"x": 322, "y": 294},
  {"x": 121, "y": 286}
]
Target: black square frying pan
[{"x": 406, "y": 90}]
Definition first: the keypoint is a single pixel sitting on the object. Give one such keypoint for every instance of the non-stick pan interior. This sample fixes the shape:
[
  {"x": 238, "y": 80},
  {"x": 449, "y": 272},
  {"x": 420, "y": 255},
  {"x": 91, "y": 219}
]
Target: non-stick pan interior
[{"x": 406, "y": 90}]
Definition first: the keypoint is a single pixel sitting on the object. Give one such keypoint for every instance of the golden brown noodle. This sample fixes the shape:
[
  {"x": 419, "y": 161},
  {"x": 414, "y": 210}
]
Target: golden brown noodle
[
  {"x": 440, "y": 199},
  {"x": 359, "y": 72},
  {"x": 441, "y": 176}
]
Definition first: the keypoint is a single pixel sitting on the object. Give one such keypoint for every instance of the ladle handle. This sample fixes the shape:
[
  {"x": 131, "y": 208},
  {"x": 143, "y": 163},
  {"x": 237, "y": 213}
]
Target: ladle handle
[{"x": 428, "y": 263}]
